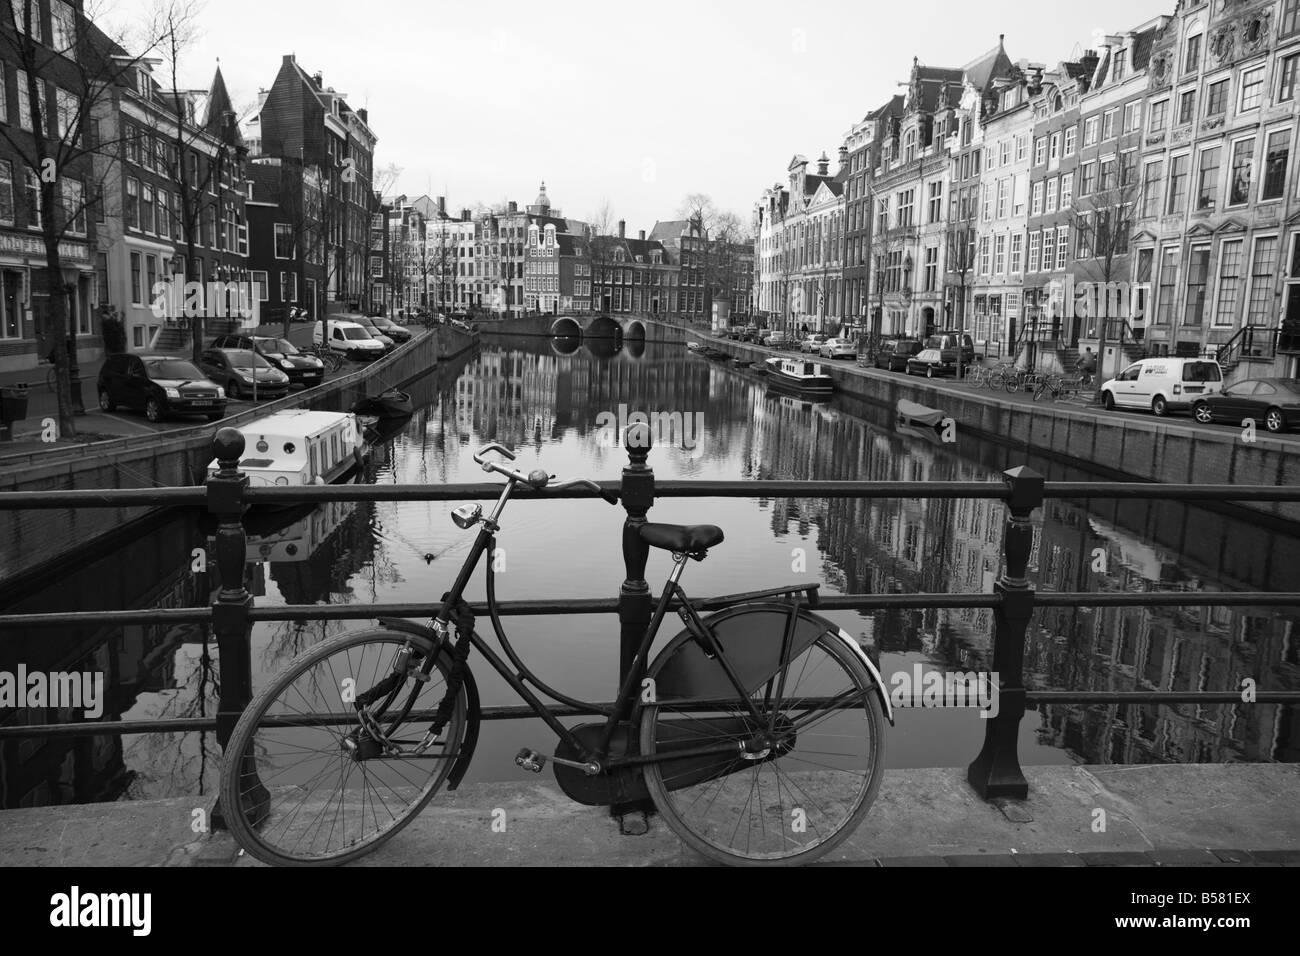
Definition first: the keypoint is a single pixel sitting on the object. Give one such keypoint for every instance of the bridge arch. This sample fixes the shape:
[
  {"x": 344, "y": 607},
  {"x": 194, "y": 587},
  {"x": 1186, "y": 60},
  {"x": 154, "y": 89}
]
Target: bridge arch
[
  {"x": 566, "y": 326},
  {"x": 602, "y": 326},
  {"x": 635, "y": 331}
]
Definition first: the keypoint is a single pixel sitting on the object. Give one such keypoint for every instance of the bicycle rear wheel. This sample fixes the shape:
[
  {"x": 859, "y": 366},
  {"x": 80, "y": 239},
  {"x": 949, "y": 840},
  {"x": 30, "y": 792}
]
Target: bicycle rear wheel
[
  {"x": 794, "y": 784},
  {"x": 334, "y": 795},
  {"x": 996, "y": 381}
]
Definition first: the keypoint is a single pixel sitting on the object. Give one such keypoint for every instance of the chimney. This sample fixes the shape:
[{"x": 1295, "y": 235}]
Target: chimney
[
  {"x": 823, "y": 165},
  {"x": 512, "y": 207},
  {"x": 844, "y": 157},
  {"x": 365, "y": 115},
  {"x": 442, "y": 207},
  {"x": 641, "y": 234},
  {"x": 464, "y": 215},
  {"x": 318, "y": 79},
  {"x": 622, "y": 228},
  {"x": 290, "y": 58}
]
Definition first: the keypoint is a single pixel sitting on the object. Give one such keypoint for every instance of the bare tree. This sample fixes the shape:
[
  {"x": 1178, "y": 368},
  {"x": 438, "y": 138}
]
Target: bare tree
[
  {"x": 1101, "y": 223},
  {"x": 602, "y": 220},
  {"x": 959, "y": 259},
  {"x": 56, "y": 147}
]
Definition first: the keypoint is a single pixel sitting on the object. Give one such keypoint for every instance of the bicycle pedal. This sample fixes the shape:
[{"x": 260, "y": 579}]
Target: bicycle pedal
[{"x": 530, "y": 760}]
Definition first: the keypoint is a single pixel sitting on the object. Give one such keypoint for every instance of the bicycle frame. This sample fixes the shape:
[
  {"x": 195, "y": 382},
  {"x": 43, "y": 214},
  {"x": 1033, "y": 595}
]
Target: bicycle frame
[{"x": 627, "y": 693}]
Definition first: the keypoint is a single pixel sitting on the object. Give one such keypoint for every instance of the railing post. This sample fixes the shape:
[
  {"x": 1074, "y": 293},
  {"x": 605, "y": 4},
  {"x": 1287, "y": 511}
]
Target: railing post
[
  {"x": 996, "y": 771},
  {"x": 230, "y": 620}
]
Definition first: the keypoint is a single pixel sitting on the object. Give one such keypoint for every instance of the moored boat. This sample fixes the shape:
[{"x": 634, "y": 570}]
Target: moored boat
[
  {"x": 808, "y": 378},
  {"x": 393, "y": 403},
  {"x": 911, "y": 413},
  {"x": 301, "y": 447}
]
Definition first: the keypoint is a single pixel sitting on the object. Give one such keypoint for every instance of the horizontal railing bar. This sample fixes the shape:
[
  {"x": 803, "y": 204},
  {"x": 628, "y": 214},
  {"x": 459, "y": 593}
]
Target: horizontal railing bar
[
  {"x": 541, "y": 608},
  {"x": 521, "y": 711},
  {"x": 127, "y": 497}
]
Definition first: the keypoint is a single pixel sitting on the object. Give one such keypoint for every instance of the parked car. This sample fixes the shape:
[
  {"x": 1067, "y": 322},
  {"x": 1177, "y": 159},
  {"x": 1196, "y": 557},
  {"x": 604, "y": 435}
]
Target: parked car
[
  {"x": 158, "y": 385},
  {"x": 752, "y": 333},
  {"x": 347, "y": 339},
  {"x": 812, "y": 343},
  {"x": 391, "y": 329},
  {"x": 894, "y": 353},
  {"x": 244, "y": 373},
  {"x": 948, "y": 343},
  {"x": 388, "y": 343},
  {"x": 838, "y": 348},
  {"x": 1273, "y": 401},
  {"x": 776, "y": 339},
  {"x": 1163, "y": 384},
  {"x": 930, "y": 363},
  {"x": 304, "y": 370}
]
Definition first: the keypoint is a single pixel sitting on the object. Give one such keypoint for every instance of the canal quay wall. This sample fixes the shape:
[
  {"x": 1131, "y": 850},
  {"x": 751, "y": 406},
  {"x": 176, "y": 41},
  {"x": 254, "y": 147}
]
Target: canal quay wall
[
  {"x": 1121, "y": 447},
  {"x": 32, "y": 540},
  {"x": 1157, "y": 815}
]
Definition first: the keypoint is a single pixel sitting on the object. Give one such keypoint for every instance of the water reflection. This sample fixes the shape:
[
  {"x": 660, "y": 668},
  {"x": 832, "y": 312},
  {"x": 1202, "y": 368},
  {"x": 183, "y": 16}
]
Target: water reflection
[{"x": 550, "y": 405}]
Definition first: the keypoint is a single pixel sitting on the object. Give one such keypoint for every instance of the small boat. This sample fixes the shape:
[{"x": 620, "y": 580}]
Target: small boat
[
  {"x": 390, "y": 404},
  {"x": 799, "y": 375},
  {"x": 694, "y": 346},
  {"x": 910, "y": 413},
  {"x": 759, "y": 367},
  {"x": 301, "y": 447}
]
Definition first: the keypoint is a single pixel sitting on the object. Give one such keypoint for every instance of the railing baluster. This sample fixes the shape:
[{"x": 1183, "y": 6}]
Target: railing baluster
[
  {"x": 230, "y": 621},
  {"x": 996, "y": 771}
]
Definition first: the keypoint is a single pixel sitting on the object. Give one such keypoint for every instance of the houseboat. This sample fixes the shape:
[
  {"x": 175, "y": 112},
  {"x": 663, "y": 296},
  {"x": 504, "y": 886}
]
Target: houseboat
[
  {"x": 797, "y": 375},
  {"x": 301, "y": 447}
]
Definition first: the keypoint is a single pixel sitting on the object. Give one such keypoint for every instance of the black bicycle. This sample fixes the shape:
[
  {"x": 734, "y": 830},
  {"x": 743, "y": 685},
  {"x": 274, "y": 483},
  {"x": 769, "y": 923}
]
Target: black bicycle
[{"x": 757, "y": 731}]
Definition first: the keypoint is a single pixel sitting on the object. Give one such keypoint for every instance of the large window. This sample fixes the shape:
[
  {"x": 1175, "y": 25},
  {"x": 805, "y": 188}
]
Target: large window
[
  {"x": 1151, "y": 188},
  {"x": 1263, "y": 265},
  {"x": 1168, "y": 285},
  {"x": 1186, "y": 107},
  {"x": 1159, "y": 112},
  {"x": 1198, "y": 271},
  {"x": 25, "y": 10},
  {"x": 1087, "y": 179},
  {"x": 1071, "y": 138},
  {"x": 1192, "y": 56},
  {"x": 1062, "y": 246},
  {"x": 1276, "y": 154},
  {"x": 1252, "y": 88},
  {"x": 1017, "y": 248},
  {"x": 74, "y": 207},
  {"x": 1035, "y": 251},
  {"x": 1049, "y": 250},
  {"x": 6, "y": 192},
  {"x": 1207, "y": 179},
  {"x": 33, "y": 197},
  {"x": 1216, "y": 98},
  {"x": 1091, "y": 127},
  {"x": 1000, "y": 255},
  {"x": 1286, "y": 78},
  {"x": 1036, "y": 203},
  {"x": 133, "y": 202},
  {"x": 1132, "y": 116},
  {"x": 1225, "y": 306},
  {"x": 1051, "y": 196},
  {"x": 1290, "y": 18},
  {"x": 1243, "y": 162},
  {"x": 1177, "y": 194},
  {"x": 137, "y": 295}
]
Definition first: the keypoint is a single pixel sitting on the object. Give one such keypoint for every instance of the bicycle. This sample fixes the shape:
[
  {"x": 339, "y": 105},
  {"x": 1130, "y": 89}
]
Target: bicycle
[
  {"x": 997, "y": 378},
  {"x": 977, "y": 376},
  {"x": 747, "y": 763},
  {"x": 329, "y": 358},
  {"x": 1058, "y": 385}
]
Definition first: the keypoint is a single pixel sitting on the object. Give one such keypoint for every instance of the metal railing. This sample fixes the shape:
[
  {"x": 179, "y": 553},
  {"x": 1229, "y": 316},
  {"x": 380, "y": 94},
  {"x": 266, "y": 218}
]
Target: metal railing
[{"x": 995, "y": 771}]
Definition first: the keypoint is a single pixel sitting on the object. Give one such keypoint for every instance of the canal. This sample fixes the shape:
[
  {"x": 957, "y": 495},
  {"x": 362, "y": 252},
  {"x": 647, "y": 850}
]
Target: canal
[{"x": 554, "y": 403}]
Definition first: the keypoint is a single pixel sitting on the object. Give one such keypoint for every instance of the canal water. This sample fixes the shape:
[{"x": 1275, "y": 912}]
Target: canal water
[{"x": 557, "y": 405}]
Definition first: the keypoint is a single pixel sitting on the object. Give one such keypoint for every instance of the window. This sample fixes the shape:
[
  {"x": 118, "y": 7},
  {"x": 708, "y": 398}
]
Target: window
[
  {"x": 1087, "y": 179},
  {"x": 936, "y": 201},
  {"x": 1062, "y": 246},
  {"x": 1132, "y": 116},
  {"x": 1198, "y": 271},
  {"x": 1067, "y": 190},
  {"x": 1192, "y": 56},
  {"x": 1017, "y": 249},
  {"x": 6, "y": 192},
  {"x": 1216, "y": 98},
  {"x": 1035, "y": 251},
  {"x": 133, "y": 202},
  {"x": 1225, "y": 306},
  {"x": 288, "y": 287},
  {"x": 1290, "y": 18},
  {"x": 1018, "y": 186},
  {"x": 905, "y": 207},
  {"x": 1049, "y": 250},
  {"x": 1117, "y": 68},
  {"x": 931, "y": 268},
  {"x": 1036, "y": 202},
  {"x": 1003, "y": 197},
  {"x": 146, "y": 208},
  {"x": 1108, "y": 124},
  {"x": 1071, "y": 135},
  {"x": 1159, "y": 112},
  {"x": 1054, "y": 150},
  {"x": 23, "y": 11},
  {"x": 151, "y": 273},
  {"x": 33, "y": 196},
  {"x": 1040, "y": 150},
  {"x": 1243, "y": 162},
  {"x": 1186, "y": 107},
  {"x": 1107, "y": 178},
  {"x": 1286, "y": 82},
  {"x": 74, "y": 210},
  {"x": 137, "y": 296},
  {"x": 987, "y": 190},
  {"x": 67, "y": 108},
  {"x": 1022, "y": 147},
  {"x": 1207, "y": 180},
  {"x": 263, "y": 293},
  {"x": 1091, "y": 126},
  {"x": 984, "y": 255},
  {"x": 1276, "y": 154},
  {"x": 1051, "y": 196},
  {"x": 1177, "y": 194},
  {"x": 1252, "y": 88},
  {"x": 1260, "y": 307},
  {"x": 1168, "y": 285},
  {"x": 24, "y": 102},
  {"x": 1000, "y": 255}
]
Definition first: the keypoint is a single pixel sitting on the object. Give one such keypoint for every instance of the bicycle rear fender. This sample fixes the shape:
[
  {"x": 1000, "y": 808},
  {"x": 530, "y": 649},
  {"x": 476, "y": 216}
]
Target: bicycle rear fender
[
  {"x": 471, "y": 693},
  {"x": 752, "y": 634}
]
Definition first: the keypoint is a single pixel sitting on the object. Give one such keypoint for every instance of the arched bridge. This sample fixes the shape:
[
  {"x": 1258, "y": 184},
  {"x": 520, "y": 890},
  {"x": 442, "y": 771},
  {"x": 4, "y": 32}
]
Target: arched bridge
[{"x": 598, "y": 327}]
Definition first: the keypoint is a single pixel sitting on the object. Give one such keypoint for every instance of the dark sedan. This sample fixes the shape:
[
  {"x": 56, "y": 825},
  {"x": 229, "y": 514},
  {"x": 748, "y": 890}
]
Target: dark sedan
[
  {"x": 244, "y": 373},
  {"x": 305, "y": 370},
  {"x": 1273, "y": 401},
  {"x": 894, "y": 353},
  {"x": 390, "y": 329}
]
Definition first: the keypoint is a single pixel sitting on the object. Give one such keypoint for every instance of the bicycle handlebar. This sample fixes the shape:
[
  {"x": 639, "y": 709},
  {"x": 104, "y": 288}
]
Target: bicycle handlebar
[{"x": 539, "y": 479}]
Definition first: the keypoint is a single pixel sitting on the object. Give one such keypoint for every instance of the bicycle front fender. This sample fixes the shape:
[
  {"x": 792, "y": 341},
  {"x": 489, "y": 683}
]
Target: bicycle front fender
[{"x": 471, "y": 696}]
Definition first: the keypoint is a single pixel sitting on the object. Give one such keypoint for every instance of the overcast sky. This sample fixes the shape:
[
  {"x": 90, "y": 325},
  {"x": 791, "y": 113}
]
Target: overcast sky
[{"x": 639, "y": 103}]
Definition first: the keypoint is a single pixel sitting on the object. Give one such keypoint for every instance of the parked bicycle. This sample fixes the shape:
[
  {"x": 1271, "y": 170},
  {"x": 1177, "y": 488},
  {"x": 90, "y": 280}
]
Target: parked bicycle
[
  {"x": 1058, "y": 386},
  {"x": 331, "y": 359},
  {"x": 998, "y": 375},
  {"x": 757, "y": 730}
]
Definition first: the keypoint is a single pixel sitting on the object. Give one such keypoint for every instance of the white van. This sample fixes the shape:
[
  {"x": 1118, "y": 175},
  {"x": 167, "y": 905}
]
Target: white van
[
  {"x": 1163, "y": 384},
  {"x": 347, "y": 339}
]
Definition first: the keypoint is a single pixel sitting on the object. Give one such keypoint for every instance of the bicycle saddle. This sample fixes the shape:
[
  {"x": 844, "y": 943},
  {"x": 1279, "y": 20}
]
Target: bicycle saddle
[{"x": 684, "y": 538}]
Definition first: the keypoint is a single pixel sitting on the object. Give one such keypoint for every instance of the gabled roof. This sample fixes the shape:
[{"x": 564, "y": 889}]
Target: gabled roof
[
  {"x": 669, "y": 229},
  {"x": 987, "y": 65},
  {"x": 894, "y": 107}
]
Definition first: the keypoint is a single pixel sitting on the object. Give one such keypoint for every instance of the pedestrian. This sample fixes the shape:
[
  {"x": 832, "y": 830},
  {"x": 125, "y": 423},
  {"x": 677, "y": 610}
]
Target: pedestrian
[{"x": 1088, "y": 361}]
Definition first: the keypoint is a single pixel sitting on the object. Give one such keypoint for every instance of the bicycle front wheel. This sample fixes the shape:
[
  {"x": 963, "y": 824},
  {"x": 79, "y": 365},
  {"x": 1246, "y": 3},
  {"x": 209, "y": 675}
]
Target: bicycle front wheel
[
  {"x": 996, "y": 381},
  {"x": 334, "y": 793},
  {"x": 787, "y": 786}
]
